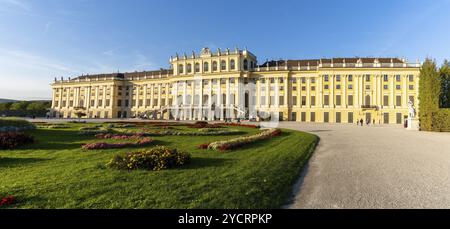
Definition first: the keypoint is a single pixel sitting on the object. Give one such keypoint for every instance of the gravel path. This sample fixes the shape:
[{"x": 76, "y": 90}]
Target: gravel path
[{"x": 374, "y": 167}]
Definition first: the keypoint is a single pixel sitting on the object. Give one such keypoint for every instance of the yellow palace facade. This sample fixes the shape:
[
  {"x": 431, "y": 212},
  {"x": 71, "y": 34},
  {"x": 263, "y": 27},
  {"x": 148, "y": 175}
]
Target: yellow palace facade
[{"x": 230, "y": 84}]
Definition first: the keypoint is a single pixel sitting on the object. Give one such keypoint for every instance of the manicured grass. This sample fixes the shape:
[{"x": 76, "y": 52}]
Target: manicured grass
[{"x": 56, "y": 173}]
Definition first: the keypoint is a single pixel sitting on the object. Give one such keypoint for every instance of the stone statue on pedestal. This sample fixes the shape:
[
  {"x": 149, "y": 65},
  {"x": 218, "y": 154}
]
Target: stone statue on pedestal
[{"x": 411, "y": 109}]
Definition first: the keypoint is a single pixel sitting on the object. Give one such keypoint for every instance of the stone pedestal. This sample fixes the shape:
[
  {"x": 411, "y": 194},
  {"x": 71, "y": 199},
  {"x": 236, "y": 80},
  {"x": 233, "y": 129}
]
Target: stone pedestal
[{"x": 413, "y": 124}]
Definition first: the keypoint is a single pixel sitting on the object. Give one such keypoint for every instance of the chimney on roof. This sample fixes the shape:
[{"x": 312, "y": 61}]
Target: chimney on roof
[
  {"x": 62, "y": 78},
  {"x": 55, "y": 79}
]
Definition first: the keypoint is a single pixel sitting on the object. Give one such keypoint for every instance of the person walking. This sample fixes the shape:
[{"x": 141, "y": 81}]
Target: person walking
[{"x": 361, "y": 120}]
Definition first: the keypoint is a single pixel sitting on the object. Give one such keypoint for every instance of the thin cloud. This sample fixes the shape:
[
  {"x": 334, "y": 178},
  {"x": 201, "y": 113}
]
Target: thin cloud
[{"x": 16, "y": 4}]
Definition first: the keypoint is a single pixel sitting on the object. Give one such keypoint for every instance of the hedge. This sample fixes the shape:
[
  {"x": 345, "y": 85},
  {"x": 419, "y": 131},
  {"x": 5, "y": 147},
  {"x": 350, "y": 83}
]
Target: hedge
[
  {"x": 11, "y": 124},
  {"x": 441, "y": 120}
]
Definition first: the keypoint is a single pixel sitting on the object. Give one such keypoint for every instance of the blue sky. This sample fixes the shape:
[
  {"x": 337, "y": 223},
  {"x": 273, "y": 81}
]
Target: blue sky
[{"x": 41, "y": 39}]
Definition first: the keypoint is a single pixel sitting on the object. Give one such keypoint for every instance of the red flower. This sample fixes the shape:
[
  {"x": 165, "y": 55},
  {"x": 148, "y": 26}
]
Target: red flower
[{"x": 7, "y": 201}]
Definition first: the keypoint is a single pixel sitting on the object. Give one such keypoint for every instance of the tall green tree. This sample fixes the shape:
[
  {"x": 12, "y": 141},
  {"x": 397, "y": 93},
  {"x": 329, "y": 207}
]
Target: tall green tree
[
  {"x": 444, "y": 73},
  {"x": 19, "y": 106},
  {"x": 5, "y": 106},
  {"x": 429, "y": 92},
  {"x": 36, "y": 108}
]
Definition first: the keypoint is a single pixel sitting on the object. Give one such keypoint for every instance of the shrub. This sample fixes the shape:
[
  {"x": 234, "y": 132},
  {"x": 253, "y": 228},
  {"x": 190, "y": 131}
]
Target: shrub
[
  {"x": 241, "y": 141},
  {"x": 441, "y": 120},
  {"x": 104, "y": 145},
  {"x": 126, "y": 125},
  {"x": 12, "y": 124},
  {"x": 203, "y": 124},
  {"x": 10, "y": 140},
  {"x": 6, "y": 201},
  {"x": 157, "y": 158},
  {"x": 203, "y": 146}
]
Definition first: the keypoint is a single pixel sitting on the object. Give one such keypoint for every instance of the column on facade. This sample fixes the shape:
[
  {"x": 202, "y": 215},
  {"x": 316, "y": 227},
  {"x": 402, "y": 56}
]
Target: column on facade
[
  {"x": 145, "y": 96},
  {"x": 175, "y": 100},
  {"x": 159, "y": 95},
  {"x": 332, "y": 94},
  {"x": 200, "y": 101},
  {"x": 219, "y": 98},
  {"x": 258, "y": 93},
  {"x": 344, "y": 91},
  {"x": 308, "y": 92},
  {"x": 192, "y": 102},
  {"x": 184, "y": 99},
  {"x": 391, "y": 92},
  {"x": 104, "y": 97},
  {"x": 299, "y": 92},
  {"x": 61, "y": 90},
  {"x": 210, "y": 102},
  {"x": 53, "y": 97},
  {"x": 405, "y": 89},
  {"x": 356, "y": 91},
  {"x": 138, "y": 91},
  {"x": 67, "y": 97},
  {"x": 227, "y": 103},
  {"x": 286, "y": 91},
  {"x": 152, "y": 95},
  {"x": 320, "y": 90},
  {"x": 267, "y": 92},
  {"x": 277, "y": 93}
]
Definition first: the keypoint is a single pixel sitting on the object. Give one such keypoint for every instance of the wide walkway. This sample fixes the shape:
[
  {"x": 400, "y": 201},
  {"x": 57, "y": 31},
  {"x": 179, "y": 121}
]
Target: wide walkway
[{"x": 374, "y": 167}]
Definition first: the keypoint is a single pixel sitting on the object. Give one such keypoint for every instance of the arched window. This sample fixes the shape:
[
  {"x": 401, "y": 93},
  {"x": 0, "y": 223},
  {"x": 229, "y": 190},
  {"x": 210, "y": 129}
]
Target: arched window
[
  {"x": 214, "y": 66},
  {"x": 180, "y": 69},
  {"x": 232, "y": 64},
  {"x": 189, "y": 68},
  {"x": 245, "y": 65},
  {"x": 197, "y": 67},
  {"x": 223, "y": 65},
  {"x": 206, "y": 67},
  {"x": 367, "y": 100}
]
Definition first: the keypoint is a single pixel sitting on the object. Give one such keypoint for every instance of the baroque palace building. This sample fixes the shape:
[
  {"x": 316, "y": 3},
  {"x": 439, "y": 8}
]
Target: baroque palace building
[{"x": 230, "y": 84}]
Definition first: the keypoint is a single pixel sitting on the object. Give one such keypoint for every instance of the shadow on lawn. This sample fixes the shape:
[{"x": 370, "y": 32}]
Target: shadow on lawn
[
  {"x": 202, "y": 162},
  {"x": 17, "y": 161}
]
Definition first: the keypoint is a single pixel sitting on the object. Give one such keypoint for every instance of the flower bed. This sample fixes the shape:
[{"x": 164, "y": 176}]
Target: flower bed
[
  {"x": 239, "y": 124},
  {"x": 189, "y": 133},
  {"x": 11, "y": 124},
  {"x": 157, "y": 158},
  {"x": 96, "y": 127},
  {"x": 105, "y": 145},
  {"x": 126, "y": 125},
  {"x": 7, "y": 200},
  {"x": 119, "y": 136},
  {"x": 242, "y": 141},
  {"x": 94, "y": 132},
  {"x": 11, "y": 140},
  {"x": 203, "y": 124}
]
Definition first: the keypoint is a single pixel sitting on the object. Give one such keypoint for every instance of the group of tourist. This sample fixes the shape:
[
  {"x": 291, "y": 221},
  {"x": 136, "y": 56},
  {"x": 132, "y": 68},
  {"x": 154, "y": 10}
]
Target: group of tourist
[{"x": 361, "y": 122}]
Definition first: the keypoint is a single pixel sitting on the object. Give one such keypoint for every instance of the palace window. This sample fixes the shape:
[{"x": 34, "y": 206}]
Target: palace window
[
  {"x": 411, "y": 98},
  {"x": 385, "y": 87},
  {"x": 368, "y": 78},
  {"x": 313, "y": 100},
  {"x": 294, "y": 100},
  {"x": 189, "y": 68},
  {"x": 294, "y": 80},
  {"x": 71, "y": 103},
  {"x": 350, "y": 100},
  {"x": 281, "y": 80},
  {"x": 214, "y": 66},
  {"x": 281, "y": 101},
  {"x": 232, "y": 64},
  {"x": 326, "y": 100},
  {"x": 325, "y": 86},
  {"x": 397, "y": 78},
  {"x": 385, "y": 100},
  {"x": 338, "y": 100},
  {"x": 411, "y": 87},
  {"x": 223, "y": 65},
  {"x": 303, "y": 88},
  {"x": 411, "y": 78},
  {"x": 141, "y": 102},
  {"x": 325, "y": 78},
  {"x": 272, "y": 80},
  {"x": 367, "y": 100},
  {"x": 92, "y": 103},
  {"x": 100, "y": 102},
  {"x": 313, "y": 88},
  {"x": 119, "y": 102},
  {"x": 367, "y": 87},
  {"x": 197, "y": 67},
  {"x": 303, "y": 100},
  {"x": 397, "y": 87},
  {"x": 398, "y": 100},
  {"x": 303, "y": 80},
  {"x": 245, "y": 64},
  {"x": 205, "y": 66},
  {"x": 350, "y": 86},
  {"x": 313, "y": 80},
  {"x": 338, "y": 78},
  {"x": 385, "y": 78},
  {"x": 294, "y": 88},
  {"x": 263, "y": 100},
  {"x": 107, "y": 101},
  {"x": 338, "y": 86},
  {"x": 350, "y": 78},
  {"x": 180, "y": 69}
]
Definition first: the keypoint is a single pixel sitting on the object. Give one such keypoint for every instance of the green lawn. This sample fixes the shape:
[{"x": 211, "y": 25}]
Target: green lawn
[{"x": 56, "y": 173}]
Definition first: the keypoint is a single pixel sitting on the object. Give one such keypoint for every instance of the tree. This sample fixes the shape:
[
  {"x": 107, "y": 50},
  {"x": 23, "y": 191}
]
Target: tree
[
  {"x": 444, "y": 73},
  {"x": 80, "y": 112},
  {"x": 429, "y": 92},
  {"x": 36, "y": 108},
  {"x": 19, "y": 106},
  {"x": 5, "y": 106}
]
